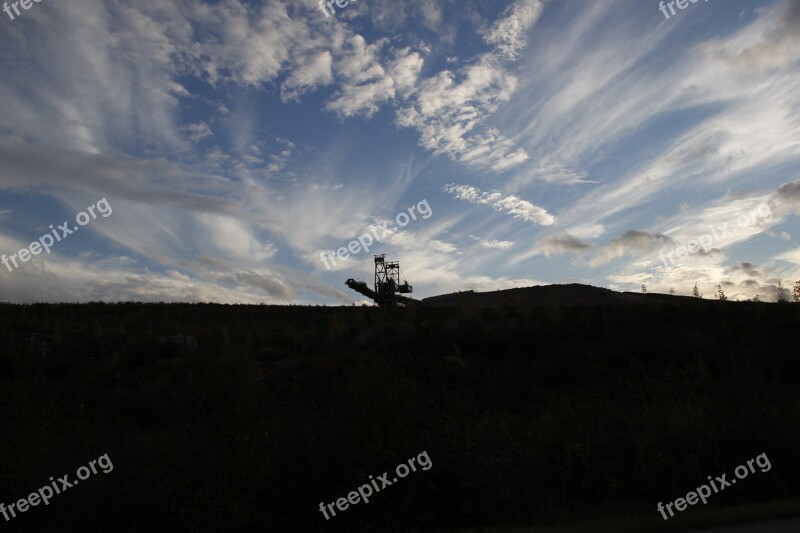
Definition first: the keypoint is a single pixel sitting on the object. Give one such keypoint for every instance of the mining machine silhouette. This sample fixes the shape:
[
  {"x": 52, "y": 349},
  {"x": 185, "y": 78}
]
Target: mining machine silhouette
[{"x": 388, "y": 289}]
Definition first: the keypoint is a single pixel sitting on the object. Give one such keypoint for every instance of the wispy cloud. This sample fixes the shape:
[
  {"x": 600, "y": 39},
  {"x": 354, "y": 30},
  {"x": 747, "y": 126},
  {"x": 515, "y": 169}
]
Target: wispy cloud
[
  {"x": 198, "y": 131},
  {"x": 497, "y": 245},
  {"x": 505, "y": 203}
]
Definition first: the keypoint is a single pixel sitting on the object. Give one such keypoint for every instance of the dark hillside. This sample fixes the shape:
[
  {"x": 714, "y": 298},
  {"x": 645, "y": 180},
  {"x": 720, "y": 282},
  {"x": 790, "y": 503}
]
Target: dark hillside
[
  {"x": 529, "y": 413},
  {"x": 551, "y": 296}
]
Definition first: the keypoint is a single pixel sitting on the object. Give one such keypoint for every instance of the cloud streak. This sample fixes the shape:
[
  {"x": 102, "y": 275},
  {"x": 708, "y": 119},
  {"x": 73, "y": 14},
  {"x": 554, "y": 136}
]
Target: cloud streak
[{"x": 504, "y": 203}]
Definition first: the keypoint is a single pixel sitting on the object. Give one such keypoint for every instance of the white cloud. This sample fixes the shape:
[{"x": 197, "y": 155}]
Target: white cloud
[
  {"x": 587, "y": 231},
  {"x": 790, "y": 256},
  {"x": 198, "y": 131},
  {"x": 497, "y": 245},
  {"x": 508, "y": 34},
  {"x": 449, "y": 108},
  {"x": 365, "y": 84},
  {"x": 315, "y": 72},
  {"x": 560, "y": 174},
  {"x": 509, "y": 204},
  {"x": 405, "y": 70},
  {"x": 279, "y": 160}
]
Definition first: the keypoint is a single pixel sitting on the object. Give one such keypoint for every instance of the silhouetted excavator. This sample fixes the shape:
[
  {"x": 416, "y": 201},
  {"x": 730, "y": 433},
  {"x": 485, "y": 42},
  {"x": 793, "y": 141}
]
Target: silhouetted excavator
[{"x": 388, "y": 289}]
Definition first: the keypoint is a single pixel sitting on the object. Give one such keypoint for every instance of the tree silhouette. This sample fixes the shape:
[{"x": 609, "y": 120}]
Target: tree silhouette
[
  {"x": 672, "y": 291},
  {"x": 782, "y": 294},
  {"x": 695, "y": 292},
  {"x": 796, "y": 293},
  {"x": 644, "y": 288},
  {"x": 721, "y": 295}
]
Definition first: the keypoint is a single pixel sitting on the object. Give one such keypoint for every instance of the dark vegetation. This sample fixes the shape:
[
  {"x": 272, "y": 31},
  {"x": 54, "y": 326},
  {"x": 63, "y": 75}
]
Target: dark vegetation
[{"x": 529, "y": 414}]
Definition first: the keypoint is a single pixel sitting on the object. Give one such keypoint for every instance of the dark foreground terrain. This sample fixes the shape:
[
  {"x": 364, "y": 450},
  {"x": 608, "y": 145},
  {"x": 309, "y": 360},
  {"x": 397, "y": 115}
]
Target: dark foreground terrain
[{"x": 529, "y": 414}]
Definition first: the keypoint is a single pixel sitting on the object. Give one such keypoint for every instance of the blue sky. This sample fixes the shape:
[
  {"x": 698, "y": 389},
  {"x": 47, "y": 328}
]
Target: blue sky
[{"x": 555, "y": 141}]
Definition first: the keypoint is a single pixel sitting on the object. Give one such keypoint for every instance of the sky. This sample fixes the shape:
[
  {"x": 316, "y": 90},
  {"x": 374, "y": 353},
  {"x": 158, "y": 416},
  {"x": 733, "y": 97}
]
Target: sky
[{"x": 235, "y": 151}]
